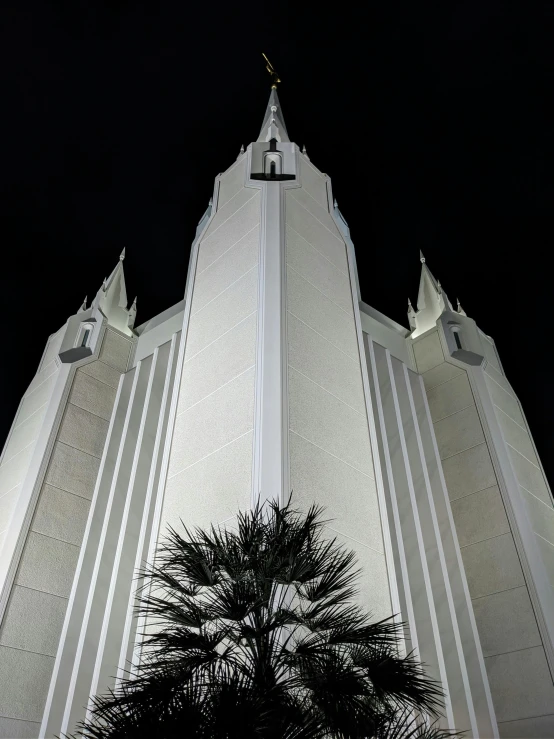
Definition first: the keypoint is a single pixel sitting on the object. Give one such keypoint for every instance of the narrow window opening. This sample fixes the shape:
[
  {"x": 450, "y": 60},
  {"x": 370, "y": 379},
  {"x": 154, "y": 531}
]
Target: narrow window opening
[
  {"x": 457, "y": 339},
  {"x": 272, "y": 170},
  {"x": 86, "y": 334}
]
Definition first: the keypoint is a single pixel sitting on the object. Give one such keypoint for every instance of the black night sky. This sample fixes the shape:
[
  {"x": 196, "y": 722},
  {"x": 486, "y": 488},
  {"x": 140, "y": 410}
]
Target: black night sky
[{"x": 434, "y": 120}]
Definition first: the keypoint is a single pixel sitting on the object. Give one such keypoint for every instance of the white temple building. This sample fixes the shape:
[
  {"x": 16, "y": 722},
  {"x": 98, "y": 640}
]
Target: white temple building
[{"x": 272, "y": 375}]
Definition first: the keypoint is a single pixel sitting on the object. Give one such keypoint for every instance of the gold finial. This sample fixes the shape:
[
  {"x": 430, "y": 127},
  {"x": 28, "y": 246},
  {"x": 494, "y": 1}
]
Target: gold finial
[{"x": 274, "y": 76}]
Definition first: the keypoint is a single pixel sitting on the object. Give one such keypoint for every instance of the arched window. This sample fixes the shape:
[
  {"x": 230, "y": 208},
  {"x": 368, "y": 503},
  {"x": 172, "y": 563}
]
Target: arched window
[
  {"x": 84, "y": 334},
  {"x": 457, "y": 338},
  {"x": 273, "y": 164}
]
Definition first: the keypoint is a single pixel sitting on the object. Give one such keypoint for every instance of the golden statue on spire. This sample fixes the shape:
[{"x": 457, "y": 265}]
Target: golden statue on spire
[{"x": 274, "y": 76}]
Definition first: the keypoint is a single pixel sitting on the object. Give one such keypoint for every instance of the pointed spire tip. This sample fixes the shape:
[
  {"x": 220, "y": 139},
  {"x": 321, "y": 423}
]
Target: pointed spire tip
[
  {"x": 421, "y": 257},
  {"x": 122, "y": 255}
]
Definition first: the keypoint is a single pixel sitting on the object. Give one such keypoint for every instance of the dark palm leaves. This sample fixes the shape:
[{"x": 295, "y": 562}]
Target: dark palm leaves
[{"x": 258, "y": 637}]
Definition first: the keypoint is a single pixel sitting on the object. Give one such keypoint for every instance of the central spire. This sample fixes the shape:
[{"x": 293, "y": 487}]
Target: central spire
[{"x": 273, "y": 126}]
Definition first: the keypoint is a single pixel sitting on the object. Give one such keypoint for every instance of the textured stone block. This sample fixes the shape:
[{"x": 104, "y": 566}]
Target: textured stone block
[
  {"x": 505, "y": 401},
  {"x": 530, "y": 476},
  {"x": 72, "y": 470},
  {"x": 320, "y": 211},
  {"x": 439, "y": 374},
  {"x": 313, "y": 356},
  {"x": 458, "y": 432},
  {"x": 517, "y": 437},
  {"x": 313, "y": 182},
  {"x": 540, "y": 515},
  {"x": 480, "y": 516},
  {"x": 52, "y": 347},
  {"x": 498, "y": 377},
  {"x": 35, "y": 400},
  {"x": 33, "y": 621},
  {"x": 240, "y": 215},
  {"x": 13, "y": 471},
  {"x": 47, "y": 371},
  {"x": 428, "y": 352},
  {"x": 212, "y": 490},
  {"x": 450, "y": 397},
  {"x": 231, "y": 182},
  {"x": 47, "y": 565},
  {"x": 103, "y": 372},
  {"x": 217, "y": 420},
  {"x": 469, "y": 471},
  {"x": 13, "y": 728},
  {"x": 24, "y": 434},
  {"x": 492, "y": 566},
  {"x": 349, "y": 497},
  {"x": 115, "y": 350},
  {"x": 539, "y": 727},
  {"x": 226, "y": 270},
  {"x": 220, "y": 362},
  {"x": 7, "y": 504},
  {"x": 92, "y": 395},
  {"x": 24, "y": 681},
  {"x": 521, "y": 684},
  {"x": 329, "y": 243},
  {"x": 318, "y": 312},
  {"x": 319, "y": 271},
  {"x": 61, "y": 515},
  {"x": 328, "y": 423},
  {"x": 506, "y": 622},
  {"x": 83, "y": 430},
  {"x": 222, "y": 314}
]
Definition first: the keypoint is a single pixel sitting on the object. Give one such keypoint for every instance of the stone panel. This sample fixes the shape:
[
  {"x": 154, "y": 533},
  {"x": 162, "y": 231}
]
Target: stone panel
[
  {"x": 226, "y": 270},
  {"x": 540, "y": 727},
  {"x": 517, "y": 437},
  {"x": 13, "y": 471},
  {"x": 313, "y": 182},
  {"x": 47, "y": 371},
  {"x": 24, "y": 681},
  {"x": 547, "y": 553},
  {"x": 469, "y": 471},
  {"x": 103, "y": 372},
  {"x": 316, "y": 310},
  {"x": 220, "y": 362},
  {"x": 499, "y": 378},
  {"x": 521, "y": 684},
  {"x": 92, "y": 395},
  {"x": 47, "y": 564},
  {"x": 428, "y": 352},
  {"x": 439, "y": 374},
  {"x": 7, "y": 504},
  {"x": 318, "y": 270},
  {"x": 33, "y": 621},
  {"x": 115, "y": 350},
  {"x": 530, "y": 476},
  {"x": 349, "y": 497},
  {"x": 505, "y": 401},
  {"x": 328, "y": 423},
  {"x": 83, "y": 430},
  {"x": 53, "y": 346},
  {"x": 12, "y": 728},
  {"x": 72, "y": 470},
  {"x": 213, "y": 489},
  {"x": 450, "y": 397},
  {"x": 321, "y": 212},
  {"x": 315, "y": 233},
  {"x": 459, "y": 432},
  {"x": 217, "y": 420},
  {"x": 506, "y": 622},
  {"x": 312, "y": 355},
  {"x": 61, "y": 515},
  {"x": 540, "y": 515},
  {"x": 35, "y": 400},
  {"x": 492, "y": 565},
  {"x": 223, "y": 313},
  {"x": 25, "y": 433},
  {"x": 240, "y": 216},
  {"x": 231, "y": 182},
  {"x": 480, "y": 516}
]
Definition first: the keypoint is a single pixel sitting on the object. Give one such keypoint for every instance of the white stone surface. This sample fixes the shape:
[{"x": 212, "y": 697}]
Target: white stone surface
[
  {"x": 219, "y": 419},
  {"x": 498, "y": 377},
  {"x": 530, "y": 476},
  {"x": 318, "y": 270},
  {"x": 61, "y": 515},
  {"x": 309, "y": 305},
  {"x": 459, "y": 432},
  {"x": 450, "y": 397},
  {"x": 33, "y": 621},
  {"x": 7, "y": 503},
  {"x": 313, "y": 181},
  {"x": 35, "y": 400},
  {"x": 12, "y": 728},
  {"x": 480, "y": 516},
  {"x": 219, "y": 363},
  {"x": 329, "y": 423},
  {"x": 83, "y": 430},
  {"x": 521, "y": 684},
  {"x": 517, "y": 437},
  {"x": 92, "y": 395},
  {"x": 24, "y": 434},
  {"x": 539, "y": 727},
  {"x": 312, "y": 355},
  {"x": 227, "y": 310},
  {"x": 428, "y": 352},
  {"x": 115, "y": 351},
  {"x": 441, "y": 373},
  {"x": 315, "y": 233},
  {"x": 232, "y": 181},
  {"x": 103, "y": 372},
  {"x": 505, "y": 401},
  {"x": 72, "y": 470},
  {"x": 540, "y": 515},
  {"x": 13, "y": 470},
  {"x": 469, "y": 471},
  {"x": 492, "y": 566},
  {"x": 506, "y": 622},
  {"x": 24, "y": 680},
  {"x": 226, "y": 270},
  {"x": 47, "y": 564},
  {"x": 41, "y": 376},
  {"x": 318, "y": 211}
]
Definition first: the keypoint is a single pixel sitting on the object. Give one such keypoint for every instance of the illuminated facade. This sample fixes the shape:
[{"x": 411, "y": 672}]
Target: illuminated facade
[{"x": 272, "y": 375}]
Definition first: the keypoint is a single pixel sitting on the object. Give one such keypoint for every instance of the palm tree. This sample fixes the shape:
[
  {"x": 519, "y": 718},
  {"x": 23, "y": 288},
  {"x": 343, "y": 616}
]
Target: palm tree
[{"x": 258, "y": 637}]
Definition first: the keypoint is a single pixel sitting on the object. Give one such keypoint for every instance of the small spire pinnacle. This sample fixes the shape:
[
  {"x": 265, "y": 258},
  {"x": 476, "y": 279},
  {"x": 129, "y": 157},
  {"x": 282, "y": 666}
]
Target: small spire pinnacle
[
  {"x": 335, "y": 204},
  {"x": 211, "y": 203},
  {"x": 105, "y": 284},
  {"x": 122, "y": 255},
  {"x": 84, "y": 306},
  {"x": 421, "y": 257},
  {"x": 304, "y": 150},
  {"x": 461, "y": 311},
  {"x": 410, "y": 306},
  {"x": 439, "y": 288}
]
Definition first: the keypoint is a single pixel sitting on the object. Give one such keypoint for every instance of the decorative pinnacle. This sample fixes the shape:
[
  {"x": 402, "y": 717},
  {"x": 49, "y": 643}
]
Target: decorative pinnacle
[
  {"x": 242, "y": 148},
  {"x": 439, "y": 286},
  {"x": 84, "y": 306},
  {"x": 421, "y": 257},
  {"x": 274, "y": 76},
  {"x": 410, "y": 306},
  {"x": 134, "y": 304},
  {"x": 122, "y": 255},
  {"x": 105, "y": 284},
  {"x": 461, "y": 311},
  {"x": 335, "y": 204},
  {"x": 304, "y": 149}
]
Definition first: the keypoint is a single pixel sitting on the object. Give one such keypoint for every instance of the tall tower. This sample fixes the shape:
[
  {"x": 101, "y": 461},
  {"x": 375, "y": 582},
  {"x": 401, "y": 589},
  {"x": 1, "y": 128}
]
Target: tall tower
[{"x": 272, "y": 376}]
